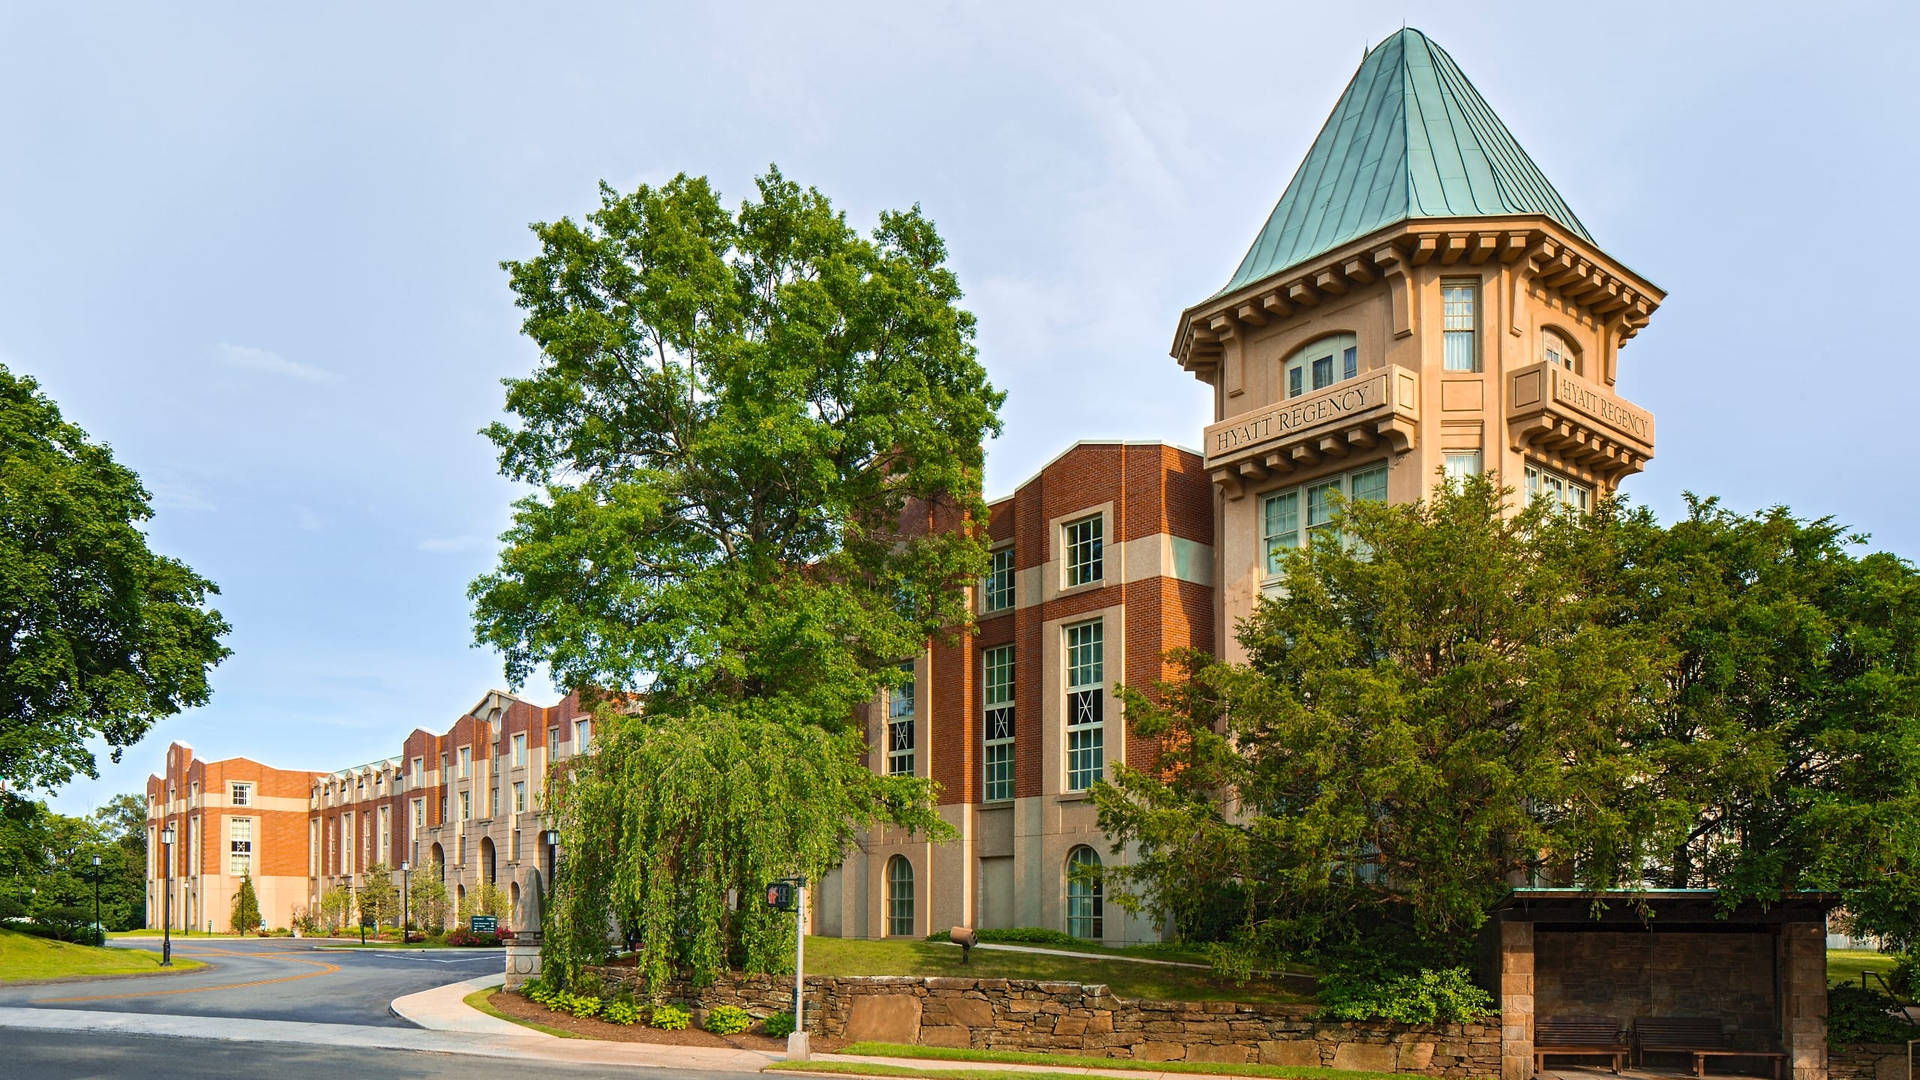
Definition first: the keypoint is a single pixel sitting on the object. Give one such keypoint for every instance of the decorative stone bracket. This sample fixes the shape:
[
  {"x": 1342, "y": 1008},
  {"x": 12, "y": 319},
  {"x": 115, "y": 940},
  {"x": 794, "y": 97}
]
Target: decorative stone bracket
[
  {"x": 1558, "y": 416},
  {"x": 1347, "y": 417}
]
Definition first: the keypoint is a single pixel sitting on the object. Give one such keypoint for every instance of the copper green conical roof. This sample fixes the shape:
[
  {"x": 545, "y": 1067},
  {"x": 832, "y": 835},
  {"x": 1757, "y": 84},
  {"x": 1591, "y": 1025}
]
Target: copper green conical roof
[{"x": 1410, "y": 138}]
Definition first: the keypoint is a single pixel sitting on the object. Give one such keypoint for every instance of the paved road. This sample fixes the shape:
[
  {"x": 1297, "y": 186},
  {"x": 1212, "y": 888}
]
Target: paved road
[
  {"x": 267, "y": 979},
  {"x": 36, "y": 1055}
]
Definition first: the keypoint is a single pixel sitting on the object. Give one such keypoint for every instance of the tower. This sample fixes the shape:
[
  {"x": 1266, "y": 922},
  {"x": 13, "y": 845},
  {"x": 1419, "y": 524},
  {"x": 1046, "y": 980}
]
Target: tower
[{"x": 1420, "y": 301}]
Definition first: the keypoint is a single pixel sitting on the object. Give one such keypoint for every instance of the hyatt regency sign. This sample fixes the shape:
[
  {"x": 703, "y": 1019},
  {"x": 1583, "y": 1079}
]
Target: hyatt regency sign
[{"x": 1317, "y": 413}]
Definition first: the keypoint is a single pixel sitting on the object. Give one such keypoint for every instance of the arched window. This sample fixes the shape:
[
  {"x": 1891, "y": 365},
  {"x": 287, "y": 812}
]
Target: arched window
[
  {"x": 899, "y": 897},
  {"x": 1558, "y": 351},
  {"x": 1086, "y": 915},
  {"x": 1320, "y": 364}
]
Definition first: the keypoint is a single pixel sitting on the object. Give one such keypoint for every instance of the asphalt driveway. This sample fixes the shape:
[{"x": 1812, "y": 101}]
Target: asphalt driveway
[{"x": 268, "y": 979}]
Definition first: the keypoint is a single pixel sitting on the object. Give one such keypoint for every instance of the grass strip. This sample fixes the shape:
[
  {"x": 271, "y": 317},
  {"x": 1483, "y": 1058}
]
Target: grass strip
[
  {"x": 478, "y": 1000},
  {"x": 1086, "y": 1061},
  {"x": 24, "y": 957}
]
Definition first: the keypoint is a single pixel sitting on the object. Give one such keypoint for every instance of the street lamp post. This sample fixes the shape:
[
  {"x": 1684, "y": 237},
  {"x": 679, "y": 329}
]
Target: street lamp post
[
  {"x": 552, "y": 837},
  {"x": 406, "y": 914},
  {"x": 96, "y": 897},
  {"x": 166, "y": 902}
]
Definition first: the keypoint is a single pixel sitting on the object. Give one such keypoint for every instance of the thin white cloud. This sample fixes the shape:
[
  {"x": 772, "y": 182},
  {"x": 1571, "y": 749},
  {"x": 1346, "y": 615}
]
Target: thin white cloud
[
  {"x": 451, "y": 545},
  {"x": 308, "y": 519},
  {"x": 250, "y": 358}
]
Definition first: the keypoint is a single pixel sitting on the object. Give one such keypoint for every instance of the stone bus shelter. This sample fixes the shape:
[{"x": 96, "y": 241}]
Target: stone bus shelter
[{"x": 1664, "y": 953}]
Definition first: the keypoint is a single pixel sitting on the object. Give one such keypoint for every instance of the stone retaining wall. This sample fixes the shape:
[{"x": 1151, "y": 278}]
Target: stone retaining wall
[
  {"x": 1004, "y": 1014},
  {"x": 1867, "y": 1061}
]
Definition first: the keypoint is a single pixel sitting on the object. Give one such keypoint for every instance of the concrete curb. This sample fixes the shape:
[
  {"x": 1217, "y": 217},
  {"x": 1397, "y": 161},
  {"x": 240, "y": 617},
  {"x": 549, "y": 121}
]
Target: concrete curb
[{"x": 444, "y": 1008}]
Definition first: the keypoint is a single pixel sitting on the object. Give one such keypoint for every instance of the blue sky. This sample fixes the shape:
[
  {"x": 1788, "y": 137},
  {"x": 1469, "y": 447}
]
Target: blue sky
[{"x": 255, "y": 250}]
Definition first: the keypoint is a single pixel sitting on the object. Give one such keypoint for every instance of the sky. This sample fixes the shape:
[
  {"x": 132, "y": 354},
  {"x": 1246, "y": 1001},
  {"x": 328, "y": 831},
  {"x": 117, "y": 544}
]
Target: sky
[{"x": 255, "y": 249}]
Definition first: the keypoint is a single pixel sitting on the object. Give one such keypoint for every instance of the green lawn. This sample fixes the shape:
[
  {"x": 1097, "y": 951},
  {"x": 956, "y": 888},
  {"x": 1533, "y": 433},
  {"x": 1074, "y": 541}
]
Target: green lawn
[
  {"x": 1845, "y": 965},
  {"x": 899, "y": 956},
  {"x": 23, "y": 956}
]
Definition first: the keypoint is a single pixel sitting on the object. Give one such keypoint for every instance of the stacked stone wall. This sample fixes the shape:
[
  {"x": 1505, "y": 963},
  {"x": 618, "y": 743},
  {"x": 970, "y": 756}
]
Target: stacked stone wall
[
  {"x": 1867, "y": 1061},
  {"x": 1071, "y": 1018}
]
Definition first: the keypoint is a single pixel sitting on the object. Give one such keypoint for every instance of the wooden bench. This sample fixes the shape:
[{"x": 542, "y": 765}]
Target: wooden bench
[
  {"x": 1699, "y": 1037},
  {"x": 1578, "y": 1036}
]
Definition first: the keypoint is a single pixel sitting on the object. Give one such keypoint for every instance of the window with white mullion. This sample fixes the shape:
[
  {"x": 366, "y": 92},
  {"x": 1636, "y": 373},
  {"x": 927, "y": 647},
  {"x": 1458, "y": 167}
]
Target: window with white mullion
[
  {"x": 1460, "y": 320},
  {"x": 1086, "y": 730},
  {"x": 239, "y": 846},
  {"x": 900, "y": 724},
  {"x": 1282, "y": 513},
  {"x": 998, "y": 588},
  {"x": 1279, "y": 529},
  {"x": 1085, "y": 551},
  {"x": 997, "y": 721},
  {"x": 1543, "y": 483}
]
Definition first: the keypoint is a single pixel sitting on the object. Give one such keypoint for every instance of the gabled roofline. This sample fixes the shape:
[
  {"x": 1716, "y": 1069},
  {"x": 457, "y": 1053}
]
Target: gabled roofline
[{"x": 1077, "y": 444}]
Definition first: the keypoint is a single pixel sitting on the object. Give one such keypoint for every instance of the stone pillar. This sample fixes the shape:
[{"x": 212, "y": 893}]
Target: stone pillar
[
  {"x": 1516, "y": 1001},
  {"x": 1803, "y": 999},
  {"x": 523, "y": 948}
]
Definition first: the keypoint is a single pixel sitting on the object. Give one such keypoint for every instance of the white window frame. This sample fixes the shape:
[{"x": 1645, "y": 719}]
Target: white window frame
[
  {"x": 239, "y": 846},
  {"x": 1312, "y": 511},
  {"x": 997, "y": 591},
  {"x": 239, "y": 793},
  {"x": 1460, "y": 324},
  {"x": 1569, "y": 494},
  {"x": 1300, "y": 374},
  {"x": 582, "y": 734},
  {"x": 1279, "y": 530},
  {"x": 466, "y": 806},
  {"x": 519, "y": 796},
  {"x": 1557, "y": 351},
  {"x": 1084, "y": 557},
  {"x": 466, "y": 762},
  {"x": 996, "y": 723},
  {"x": 1461, "y": 464},
  {"x": 419, "y": 771},
  {"x": 1085, "y": 651},
  {"x": 520, "y": 749},
  {"x": 900, "y": 734}
]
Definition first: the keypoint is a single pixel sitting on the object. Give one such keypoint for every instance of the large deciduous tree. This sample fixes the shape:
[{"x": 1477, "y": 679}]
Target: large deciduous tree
[
  {"x": 99, "y": 636},
  {"x": 757, "y": 439}
]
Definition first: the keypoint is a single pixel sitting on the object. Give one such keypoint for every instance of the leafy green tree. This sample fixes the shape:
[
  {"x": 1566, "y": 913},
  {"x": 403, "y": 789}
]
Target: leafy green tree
[
  {"x": 1440, "y": 700},
  {"x": 99, "y": 636},
  {"x": 380, "y": 896},
  {"x": 1790, "y": 726},
  {"x": 730, "y": 416},
  {"x": 336, "y": 908},
  {"x": 427, "y": 898},
  {"x": 122, "y": 825},
  {"x": 758, "y": 442},
  {"x": 246, "y": 907}
]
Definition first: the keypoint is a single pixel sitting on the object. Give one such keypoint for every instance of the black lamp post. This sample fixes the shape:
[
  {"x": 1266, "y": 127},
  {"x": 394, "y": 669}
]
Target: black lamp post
[
  {"x": 406, "y": 914},
  {"x": 96, "y": 898},
  {"x": 166, "y": 901},
  {"x": 552, "y": 836}
]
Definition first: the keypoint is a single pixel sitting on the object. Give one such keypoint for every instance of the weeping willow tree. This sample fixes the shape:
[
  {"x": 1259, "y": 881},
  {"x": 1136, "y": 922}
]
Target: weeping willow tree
[{"x": 672, "y": 827}]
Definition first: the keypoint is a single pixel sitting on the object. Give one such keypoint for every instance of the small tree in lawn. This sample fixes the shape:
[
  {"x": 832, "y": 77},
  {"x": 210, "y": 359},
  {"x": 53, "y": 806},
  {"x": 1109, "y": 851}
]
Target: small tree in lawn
[
  {"x": 379, "y": 896},
  {"x": 336, "y": 907},
  {"x": 427, "y": 899},
  {"x": 246, "y": 907}
]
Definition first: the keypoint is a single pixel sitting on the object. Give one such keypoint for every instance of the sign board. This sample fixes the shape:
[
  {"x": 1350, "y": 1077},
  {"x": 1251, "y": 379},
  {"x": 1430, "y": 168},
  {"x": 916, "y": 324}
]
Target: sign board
[
  {"x": 780, "y": 895},
  {"x": 484, "y": 924}
]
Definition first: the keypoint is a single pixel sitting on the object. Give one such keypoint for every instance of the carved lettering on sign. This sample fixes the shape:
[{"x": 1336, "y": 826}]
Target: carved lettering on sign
[
  {"x": 1298, "y": 415},
  {"x": 1603, "y": 406}
]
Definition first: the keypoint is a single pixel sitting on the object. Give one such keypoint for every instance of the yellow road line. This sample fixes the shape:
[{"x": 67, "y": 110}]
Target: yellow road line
[{"x": 325, "y": 969}]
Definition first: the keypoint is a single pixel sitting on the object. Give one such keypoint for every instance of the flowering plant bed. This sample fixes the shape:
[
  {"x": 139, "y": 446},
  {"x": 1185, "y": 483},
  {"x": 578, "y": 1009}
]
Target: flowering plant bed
[{"x": 513, "y": 1006}]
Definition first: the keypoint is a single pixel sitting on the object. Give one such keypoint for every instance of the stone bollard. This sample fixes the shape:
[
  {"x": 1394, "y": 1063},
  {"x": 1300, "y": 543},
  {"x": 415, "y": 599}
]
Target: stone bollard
[{"x": 523, "y": 948}]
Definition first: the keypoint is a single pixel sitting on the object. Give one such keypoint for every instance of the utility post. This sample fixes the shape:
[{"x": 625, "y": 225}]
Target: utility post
[
  {"x": 790, "y": 894},
  {"x": 406, "y": 915}
]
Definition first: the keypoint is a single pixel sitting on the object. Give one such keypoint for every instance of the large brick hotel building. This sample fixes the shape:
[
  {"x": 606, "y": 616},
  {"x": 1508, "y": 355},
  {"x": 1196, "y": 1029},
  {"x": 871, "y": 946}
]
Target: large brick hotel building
[{"x": 1420, "y": 303}]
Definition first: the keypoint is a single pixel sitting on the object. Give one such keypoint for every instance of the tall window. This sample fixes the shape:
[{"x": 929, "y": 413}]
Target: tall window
[
  {"x": 419, "y": 814},
  {"x": 1459, "y": 301},
  {"x": 386, "y": 833},
  {"x": 1322, "y": 363},
  {"x": 239, "y": 846},
  {"x": 241, "y": 795},
  {"x": 466, "y": 805},
  {"x": 513, "y": 847},
  {"x": 1086, "y": 902},
  {"x": 520, "y": 749},
  {"x": 1550, "y": 485},
  {"x": 419, "y": 771},
  {"x": 1279, "y": 528},
  {"x": 999, "y": 583},
  {"x": 1084, "y": 551},
  {"x": 900, "y": 724},
  {"x": 466, "y": 762},
  {"x": 1556, "y": 351},
  {"x": 553, "y": 743},
  {"x": 899, "y": 897},
  {"x": 582, "y": 734},
  {"x": 1460, "y": 466},
  {"x": 1086, "y": 732},
  {"x": 997, "y": 722},
  {"x": 519, "y": 796}
]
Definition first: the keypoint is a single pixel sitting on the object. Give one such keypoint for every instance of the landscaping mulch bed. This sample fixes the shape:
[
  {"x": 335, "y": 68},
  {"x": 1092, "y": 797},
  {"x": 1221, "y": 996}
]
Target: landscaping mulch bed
[{"x": 520, "y": 1008}]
